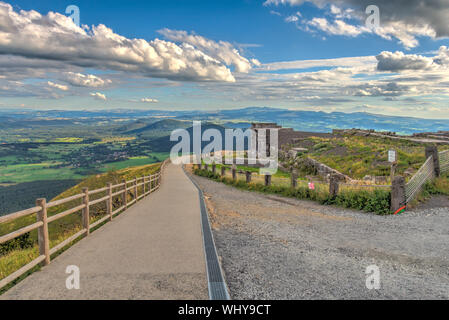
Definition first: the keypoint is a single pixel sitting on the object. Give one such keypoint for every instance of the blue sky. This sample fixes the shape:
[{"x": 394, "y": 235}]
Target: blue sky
[{"x": 226, "y": 54}]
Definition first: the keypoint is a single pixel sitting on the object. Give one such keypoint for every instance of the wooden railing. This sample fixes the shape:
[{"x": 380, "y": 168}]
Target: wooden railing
[{"x": 149, "y": 183}]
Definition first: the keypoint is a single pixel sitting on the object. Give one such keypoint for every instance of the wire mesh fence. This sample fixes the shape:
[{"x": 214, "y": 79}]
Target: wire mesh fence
[
  {"x": 444, "y": 161},
  {"x": 424, "y": 174}
]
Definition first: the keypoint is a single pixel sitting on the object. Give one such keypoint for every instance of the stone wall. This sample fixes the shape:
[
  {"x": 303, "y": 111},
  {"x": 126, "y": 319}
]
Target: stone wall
[{"x": 326, "y": 171}]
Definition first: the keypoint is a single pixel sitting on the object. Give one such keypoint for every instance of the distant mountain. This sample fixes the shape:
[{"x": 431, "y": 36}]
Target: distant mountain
[
  {"x": 166, "y": 125},
  {"x": 316, "y": 121},
  {"x": 163, "y": 144}
]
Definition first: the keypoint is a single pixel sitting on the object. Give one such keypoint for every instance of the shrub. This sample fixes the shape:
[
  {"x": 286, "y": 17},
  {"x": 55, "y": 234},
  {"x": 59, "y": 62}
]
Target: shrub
[{"x": 377, "y": 201}]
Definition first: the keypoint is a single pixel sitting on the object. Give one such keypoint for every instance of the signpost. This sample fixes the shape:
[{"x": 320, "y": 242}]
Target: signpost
[{"x": 392, "y": 158}]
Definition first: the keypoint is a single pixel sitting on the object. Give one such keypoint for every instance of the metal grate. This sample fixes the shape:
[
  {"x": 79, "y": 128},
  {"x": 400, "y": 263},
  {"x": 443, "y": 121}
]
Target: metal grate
[
  {"x": 424, "y": 174},
  {"x": 216, "y": 283}
]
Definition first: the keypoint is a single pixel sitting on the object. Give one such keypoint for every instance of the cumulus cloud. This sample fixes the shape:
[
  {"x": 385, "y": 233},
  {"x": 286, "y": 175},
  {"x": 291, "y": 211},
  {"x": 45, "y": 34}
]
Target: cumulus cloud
[
  {"x": 222, "y": 51},
  {"x": 58, "y": 86},
  {"x": 338, "y": 27},
  {"x": 291, "y": 18},
  {"x": 85, "y": 80},
  {"x": 98, "y": 96},
  {"x": 404, "y": 21},
  {"x": 398, "y": 61},
  {"x": 149, "y": 100},
  {"x": 54, "y": 37}
]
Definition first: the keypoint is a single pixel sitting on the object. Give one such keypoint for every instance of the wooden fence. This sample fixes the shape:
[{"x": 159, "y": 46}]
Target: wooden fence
[
  {"x": 148, "y": 184},
  {"x": 334, "y": 185}
]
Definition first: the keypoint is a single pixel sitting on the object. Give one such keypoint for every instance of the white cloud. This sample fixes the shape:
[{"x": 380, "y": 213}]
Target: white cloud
[
  {"x": 398, "y": 61},
  {"x": 338, "y": 27},
  {"x": 222, "y": 51},
  {"x": 149, "y": 100},
  {"x": 85, "y": 80},
  {"x": 54, "y": 37},
  {"x": 291, "y": 19},
  {"x": 58, "y": 86},
  {"x": 98, "y": 96},
  {"x": 403, "y": 21}
]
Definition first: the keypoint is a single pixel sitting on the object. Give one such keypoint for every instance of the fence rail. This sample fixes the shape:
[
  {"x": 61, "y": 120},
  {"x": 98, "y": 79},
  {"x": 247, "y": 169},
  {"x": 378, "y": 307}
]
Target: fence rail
[{"x": 150, "y": 184}]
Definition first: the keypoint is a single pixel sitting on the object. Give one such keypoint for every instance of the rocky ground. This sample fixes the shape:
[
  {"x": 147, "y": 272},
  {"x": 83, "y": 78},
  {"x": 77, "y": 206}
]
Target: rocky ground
[{"x": 282, "y": 248}]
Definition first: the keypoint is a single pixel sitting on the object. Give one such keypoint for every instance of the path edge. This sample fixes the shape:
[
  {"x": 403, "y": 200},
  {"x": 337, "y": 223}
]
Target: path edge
[{"x": 218, "y": 289}]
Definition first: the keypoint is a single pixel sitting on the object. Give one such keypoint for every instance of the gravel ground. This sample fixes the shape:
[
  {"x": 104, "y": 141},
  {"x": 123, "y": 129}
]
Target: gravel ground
[{"x": 282, "y": 248}]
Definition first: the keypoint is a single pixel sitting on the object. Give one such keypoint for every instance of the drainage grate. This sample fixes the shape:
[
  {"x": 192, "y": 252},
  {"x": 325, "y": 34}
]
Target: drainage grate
[{"x": 216, "y": 283}]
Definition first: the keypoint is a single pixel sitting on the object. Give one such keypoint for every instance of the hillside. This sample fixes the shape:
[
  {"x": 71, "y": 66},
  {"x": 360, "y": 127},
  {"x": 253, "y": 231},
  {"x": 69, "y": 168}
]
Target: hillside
[
  {"x": 18, "y": 252},
  {"x": 162, "y": 127},
  {"x": 358, "y": 156}
]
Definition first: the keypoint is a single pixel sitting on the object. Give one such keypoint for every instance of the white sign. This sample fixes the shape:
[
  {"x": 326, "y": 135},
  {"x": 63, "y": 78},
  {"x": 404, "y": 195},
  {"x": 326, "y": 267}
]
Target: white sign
[{"x": 392, "y": 156}]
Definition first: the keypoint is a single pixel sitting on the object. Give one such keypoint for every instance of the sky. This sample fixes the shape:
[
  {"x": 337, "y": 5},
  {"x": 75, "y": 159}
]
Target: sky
[{"x": 318, "y": 55}]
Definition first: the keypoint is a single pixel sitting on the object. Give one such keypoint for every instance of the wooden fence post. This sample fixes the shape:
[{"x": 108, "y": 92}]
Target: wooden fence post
[
  {"x": 109, "y": 202},
  {"x": 86, "y": 210},
  {"x": 334, "y": 185},
  {"x": 206, "y": 166},
  {"x": 294, "y": 178},
  {"x": 268, "y": 180},
  {"x": 248, "y": 176},
  {"x": 214, "y": 168},
  {"x": 234, "y": 172},
  {"x": 398, "y": 198},
  {"x": 135, "y": 189},
  {"x": 433, "y": 151},
  {"x": 200, "y": 166},
  {"x": 125, "y": 195},
  {"x": 42, "y": 232},
  {"x": 144, "y": 187},
  {"x": 223, "y": 171}
]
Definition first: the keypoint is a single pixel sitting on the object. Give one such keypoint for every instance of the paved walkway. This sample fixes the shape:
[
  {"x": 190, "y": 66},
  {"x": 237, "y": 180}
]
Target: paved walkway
[{"x": 152, "y": 251}]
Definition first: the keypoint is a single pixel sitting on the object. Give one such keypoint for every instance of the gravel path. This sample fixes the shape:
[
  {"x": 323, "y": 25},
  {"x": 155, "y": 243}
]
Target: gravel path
[{"x": 282, "y": 248}]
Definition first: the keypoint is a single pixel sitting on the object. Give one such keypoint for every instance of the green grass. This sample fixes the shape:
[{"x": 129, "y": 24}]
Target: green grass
[
  {"x": 136, "y": 161},
  {"x": 14, "y": 256},
  {"x": 358, "y": 156},
  {"x": 36, "y": 171}
]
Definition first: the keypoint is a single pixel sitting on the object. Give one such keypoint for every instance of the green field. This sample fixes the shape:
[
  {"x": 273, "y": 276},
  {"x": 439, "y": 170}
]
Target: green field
[
  {"x": 136, "y": 161},
  {"x": 20, "y": 173}
]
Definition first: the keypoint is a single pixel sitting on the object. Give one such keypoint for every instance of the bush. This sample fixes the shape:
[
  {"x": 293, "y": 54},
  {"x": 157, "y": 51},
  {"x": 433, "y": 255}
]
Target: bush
[
  {"x": 22, "y": 242},
  {"x": 377, "y": 201}
]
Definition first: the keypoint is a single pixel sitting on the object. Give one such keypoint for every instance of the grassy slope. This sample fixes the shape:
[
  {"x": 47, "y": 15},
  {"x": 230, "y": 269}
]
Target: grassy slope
[
  {"x": 69, "y": 225},
  {"x": 359, "y": 156}
]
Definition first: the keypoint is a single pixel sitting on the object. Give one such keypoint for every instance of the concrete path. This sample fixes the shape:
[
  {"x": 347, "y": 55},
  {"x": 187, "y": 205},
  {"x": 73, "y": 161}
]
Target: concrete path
[{"x": 152, "y": 251}]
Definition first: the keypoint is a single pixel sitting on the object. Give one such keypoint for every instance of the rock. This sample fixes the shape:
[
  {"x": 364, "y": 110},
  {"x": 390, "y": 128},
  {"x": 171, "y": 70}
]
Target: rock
[{"x": 367, "y": 178}]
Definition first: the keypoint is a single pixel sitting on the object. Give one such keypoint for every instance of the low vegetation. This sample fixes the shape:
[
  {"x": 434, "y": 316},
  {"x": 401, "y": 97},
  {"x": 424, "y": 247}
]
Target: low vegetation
[
  {"x": 370, "y": 200},
  {"x": 358, "y": 156}
]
